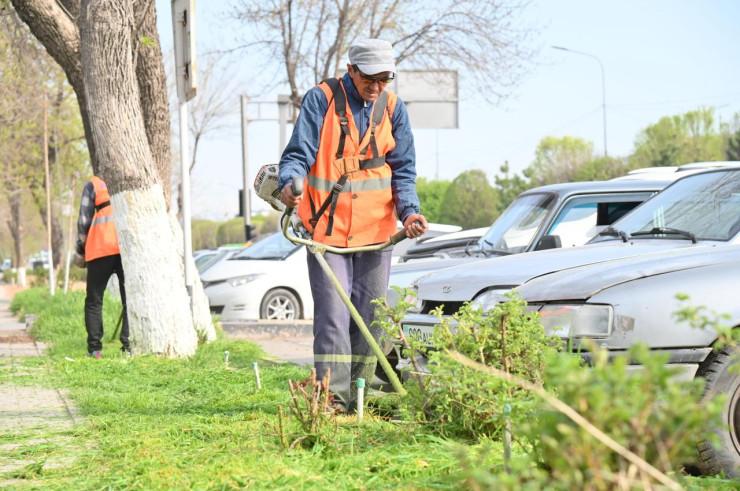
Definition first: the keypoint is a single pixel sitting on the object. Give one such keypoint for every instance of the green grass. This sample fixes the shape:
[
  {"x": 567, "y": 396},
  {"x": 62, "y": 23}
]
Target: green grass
[{"x": 151, "y": 423}]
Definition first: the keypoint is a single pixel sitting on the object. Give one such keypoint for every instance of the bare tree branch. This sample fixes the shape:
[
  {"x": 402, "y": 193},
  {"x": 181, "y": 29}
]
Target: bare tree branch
[{"x": 485, "y": 39}]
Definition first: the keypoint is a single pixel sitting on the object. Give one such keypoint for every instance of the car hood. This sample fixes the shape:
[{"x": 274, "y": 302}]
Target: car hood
[
  {"x": 404, "y": 274},
  {"x": 232, "y": 268},
  {"x": 586, "y": 281},
  {"x": 463, "y": 282}
]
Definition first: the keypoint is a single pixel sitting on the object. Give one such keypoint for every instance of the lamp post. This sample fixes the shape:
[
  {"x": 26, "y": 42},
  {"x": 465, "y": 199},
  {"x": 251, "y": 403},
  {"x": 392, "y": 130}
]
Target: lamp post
[{"x": 603, "y": 84}]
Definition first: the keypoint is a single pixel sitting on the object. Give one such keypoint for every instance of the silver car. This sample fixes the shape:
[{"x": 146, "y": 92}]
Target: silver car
[
  {"x": 622, "y": 287},
  {"x": 699, "y": 211},
  {"x": 623, "y": 302}
]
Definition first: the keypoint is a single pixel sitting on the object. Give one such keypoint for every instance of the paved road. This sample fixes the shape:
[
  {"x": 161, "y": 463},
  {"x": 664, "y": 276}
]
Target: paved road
[{"x": 288, "y": 341}]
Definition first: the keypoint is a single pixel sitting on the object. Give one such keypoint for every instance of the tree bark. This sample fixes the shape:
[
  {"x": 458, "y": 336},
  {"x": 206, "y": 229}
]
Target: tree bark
[
  {"x": 153, "y": 91},
  {"x": 16, "y": 227}
]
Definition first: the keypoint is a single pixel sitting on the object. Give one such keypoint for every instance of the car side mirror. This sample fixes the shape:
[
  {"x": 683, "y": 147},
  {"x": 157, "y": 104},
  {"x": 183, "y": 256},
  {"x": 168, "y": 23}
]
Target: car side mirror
[{"x": 548, "y": 242}]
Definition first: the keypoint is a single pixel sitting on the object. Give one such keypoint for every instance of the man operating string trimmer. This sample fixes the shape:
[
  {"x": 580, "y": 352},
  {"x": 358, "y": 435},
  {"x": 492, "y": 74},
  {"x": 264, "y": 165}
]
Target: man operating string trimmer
[{"x": 352, "y": 143}]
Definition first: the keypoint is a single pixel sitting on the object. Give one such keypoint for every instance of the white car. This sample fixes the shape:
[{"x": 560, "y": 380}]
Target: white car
[{"x": 268, "y": 280}]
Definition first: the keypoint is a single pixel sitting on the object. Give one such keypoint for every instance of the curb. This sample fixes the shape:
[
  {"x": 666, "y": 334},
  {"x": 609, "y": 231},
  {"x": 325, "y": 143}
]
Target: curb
[{"x": 269, "y": 328}]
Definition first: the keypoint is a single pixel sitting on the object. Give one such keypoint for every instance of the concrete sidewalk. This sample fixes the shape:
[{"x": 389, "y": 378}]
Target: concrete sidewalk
[{"x": 29, "y": 415}]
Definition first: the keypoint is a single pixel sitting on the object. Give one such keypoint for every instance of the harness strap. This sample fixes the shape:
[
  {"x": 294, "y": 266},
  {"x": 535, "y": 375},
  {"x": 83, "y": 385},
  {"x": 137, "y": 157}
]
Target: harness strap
[
  {"x": 379, "y": 108},
  {"x": 102, "y": 205},
  {"x": 334, "y": 196},
  {"x": 340, "y": 107}
]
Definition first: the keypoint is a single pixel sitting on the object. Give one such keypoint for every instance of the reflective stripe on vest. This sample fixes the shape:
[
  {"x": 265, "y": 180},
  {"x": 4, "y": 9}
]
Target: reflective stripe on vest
[
  {"x": 102, "y": 239},
  {"x": 363, "y": 208}
]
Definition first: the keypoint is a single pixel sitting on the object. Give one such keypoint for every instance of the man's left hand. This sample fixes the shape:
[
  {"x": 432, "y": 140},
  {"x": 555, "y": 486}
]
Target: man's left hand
[{"x": 415, "y": 225}]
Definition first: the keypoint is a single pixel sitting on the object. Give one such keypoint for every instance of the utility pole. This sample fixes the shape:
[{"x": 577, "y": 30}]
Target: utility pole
[
  {"x": 246, "y": 197},
  {"x": 52, "y": 279},
  {"x": 603, "y": 85},
  {"x": 282, "y": 119},
  {"x": 183, "y": 27}
]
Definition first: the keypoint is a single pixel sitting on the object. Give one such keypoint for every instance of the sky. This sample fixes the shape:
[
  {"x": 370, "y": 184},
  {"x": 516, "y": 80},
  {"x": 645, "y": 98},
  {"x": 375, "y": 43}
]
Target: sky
[{"x": 660, "y": 57}]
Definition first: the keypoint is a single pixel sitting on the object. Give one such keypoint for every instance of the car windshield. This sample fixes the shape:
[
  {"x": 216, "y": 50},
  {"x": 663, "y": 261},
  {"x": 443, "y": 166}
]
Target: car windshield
[
  {"x": 704, "y": 206},
  {"x": 273, "y": 247},
  {"x": 517, "y": 226}
]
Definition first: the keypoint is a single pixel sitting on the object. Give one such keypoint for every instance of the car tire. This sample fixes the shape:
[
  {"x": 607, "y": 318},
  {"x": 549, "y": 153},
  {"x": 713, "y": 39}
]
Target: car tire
[
  {"x": 280, "y": 304},
  {"x": 724, "y": 455}
]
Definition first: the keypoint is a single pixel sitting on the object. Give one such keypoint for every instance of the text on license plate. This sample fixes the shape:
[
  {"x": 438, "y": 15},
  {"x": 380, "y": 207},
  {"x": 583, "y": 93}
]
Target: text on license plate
[{"x": 419, "y": 332}]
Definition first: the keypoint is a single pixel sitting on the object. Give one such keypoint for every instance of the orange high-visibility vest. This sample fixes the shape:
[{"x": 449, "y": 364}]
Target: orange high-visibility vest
[
  {"x": 102, "y": 239},
  {"x": 347, "y": 200}
]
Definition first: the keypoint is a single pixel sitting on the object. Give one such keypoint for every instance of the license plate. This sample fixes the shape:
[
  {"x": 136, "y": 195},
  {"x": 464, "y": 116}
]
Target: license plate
[{"x": 419, "y": 332}]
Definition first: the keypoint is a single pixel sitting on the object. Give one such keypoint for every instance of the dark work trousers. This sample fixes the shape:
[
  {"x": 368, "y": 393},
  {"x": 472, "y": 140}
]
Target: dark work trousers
[
  {"x": 98, "y": 272},
  {"x": 338, "y": 343}
]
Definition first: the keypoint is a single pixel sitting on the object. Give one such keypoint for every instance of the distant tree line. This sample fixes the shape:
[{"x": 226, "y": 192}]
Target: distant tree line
[{"x": 471, "y": 201}]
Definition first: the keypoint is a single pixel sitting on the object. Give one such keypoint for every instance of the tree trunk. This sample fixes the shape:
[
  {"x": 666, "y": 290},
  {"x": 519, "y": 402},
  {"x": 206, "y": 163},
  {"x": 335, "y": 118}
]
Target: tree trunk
[
  {"x": 16, "y": 227},
  {"x": 154, "y": 272},
  {"x": 106, "y": 63}
]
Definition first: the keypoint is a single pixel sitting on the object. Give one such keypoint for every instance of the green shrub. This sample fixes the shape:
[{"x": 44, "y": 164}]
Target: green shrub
[{"x": 456, "y": 400}]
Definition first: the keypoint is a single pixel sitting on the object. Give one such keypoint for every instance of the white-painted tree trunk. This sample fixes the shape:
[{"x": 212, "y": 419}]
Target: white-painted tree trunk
[{"x": 159, "y": 319}]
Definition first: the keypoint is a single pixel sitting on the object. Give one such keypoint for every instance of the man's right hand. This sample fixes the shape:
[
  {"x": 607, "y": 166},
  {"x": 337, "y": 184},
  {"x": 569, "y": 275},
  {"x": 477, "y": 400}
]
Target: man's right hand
[{"x": 288, "y": 198}]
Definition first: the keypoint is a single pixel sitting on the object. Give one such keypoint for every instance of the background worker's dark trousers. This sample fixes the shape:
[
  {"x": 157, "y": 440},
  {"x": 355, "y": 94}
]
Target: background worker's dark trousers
[
  {"x": 98, "y": 272},
  {"x": 338, "y": 343}
]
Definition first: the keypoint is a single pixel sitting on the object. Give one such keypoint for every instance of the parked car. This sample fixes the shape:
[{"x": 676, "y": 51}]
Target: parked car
[
  {"x": 553, "y": 216},
  {"x": 6, "y": 264},
  {"x": 268, "y": 280},
  {"x": 699, "y": 211},
  {"x": 622, "y": 302}
]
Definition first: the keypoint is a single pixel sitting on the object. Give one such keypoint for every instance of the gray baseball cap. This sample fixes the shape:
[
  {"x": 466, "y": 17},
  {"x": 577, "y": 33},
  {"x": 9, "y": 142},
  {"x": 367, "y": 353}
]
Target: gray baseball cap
[{"x": 372, "y": 56}]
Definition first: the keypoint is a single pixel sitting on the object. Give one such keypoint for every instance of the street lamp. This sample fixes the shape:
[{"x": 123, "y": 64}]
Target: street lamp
[{"x": 603, "y": 84}]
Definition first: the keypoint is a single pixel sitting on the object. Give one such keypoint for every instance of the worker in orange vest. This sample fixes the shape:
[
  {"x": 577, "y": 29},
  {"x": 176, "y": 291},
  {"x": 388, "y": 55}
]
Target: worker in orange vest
[
  {"x": 352, "y": 143},
  {"x": 97, "y": 243}
]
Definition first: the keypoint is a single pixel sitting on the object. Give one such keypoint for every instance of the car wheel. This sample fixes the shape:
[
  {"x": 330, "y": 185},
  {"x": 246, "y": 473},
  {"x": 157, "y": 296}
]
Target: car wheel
[
  {"x": 724, "y": 454},
  {"x": 280, "y": 304}
]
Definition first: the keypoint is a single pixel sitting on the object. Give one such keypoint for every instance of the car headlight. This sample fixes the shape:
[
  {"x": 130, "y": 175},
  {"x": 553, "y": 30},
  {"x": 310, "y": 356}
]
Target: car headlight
[
  {"x": 490, "y": 298},
  {"x": 243, "y": 280},
  {"x": 577, "y": 321}
]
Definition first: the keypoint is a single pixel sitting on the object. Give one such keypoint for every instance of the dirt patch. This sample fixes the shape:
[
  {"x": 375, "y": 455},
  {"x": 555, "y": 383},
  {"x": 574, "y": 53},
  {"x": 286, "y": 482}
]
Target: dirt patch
[{"x": 13, "y": 337}]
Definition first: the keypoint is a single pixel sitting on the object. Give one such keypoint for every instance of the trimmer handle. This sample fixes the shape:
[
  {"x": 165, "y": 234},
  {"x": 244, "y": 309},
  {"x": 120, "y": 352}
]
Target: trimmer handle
[{"x": 397, "y": 237}]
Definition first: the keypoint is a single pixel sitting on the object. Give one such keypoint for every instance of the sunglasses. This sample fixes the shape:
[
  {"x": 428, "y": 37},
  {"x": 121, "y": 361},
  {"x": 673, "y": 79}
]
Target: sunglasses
[{"x": 383, "y": 79}]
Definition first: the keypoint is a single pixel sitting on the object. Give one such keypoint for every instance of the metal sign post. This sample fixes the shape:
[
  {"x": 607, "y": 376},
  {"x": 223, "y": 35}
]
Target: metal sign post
[{"x": 183, "y": 27}]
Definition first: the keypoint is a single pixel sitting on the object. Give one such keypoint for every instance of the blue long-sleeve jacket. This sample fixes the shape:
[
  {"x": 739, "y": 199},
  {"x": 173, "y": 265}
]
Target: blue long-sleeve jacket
[{"x": 300, "y": 153}]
